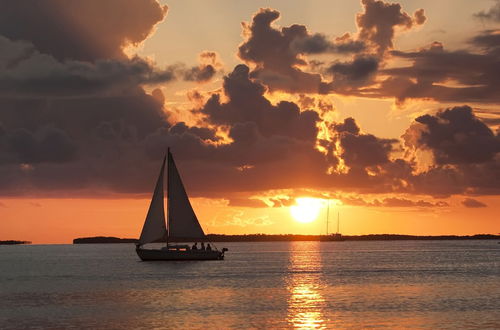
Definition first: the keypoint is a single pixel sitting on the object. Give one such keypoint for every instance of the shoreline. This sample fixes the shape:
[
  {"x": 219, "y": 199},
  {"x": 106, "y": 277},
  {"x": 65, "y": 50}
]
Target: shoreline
[
  {"x": 14, "y": 242},
  {"x": 290, "y": 237}
]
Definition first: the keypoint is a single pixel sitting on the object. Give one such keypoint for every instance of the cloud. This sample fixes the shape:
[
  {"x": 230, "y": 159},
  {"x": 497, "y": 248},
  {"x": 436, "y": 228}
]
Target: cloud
[
  {"x": 361, "y": 150},
  {"x": 73, "y": 114},
  {"x": 349, "y": 125},
  {"x": 282, "y": 202},
  {"x": 48, "y": 144},
  {"x": 278, "y": 55},
  {"x": 206, "y": 70},
  {"x": 352, "y": 74},
  {"x": 247, "y": 104},
  {"x": 81, "y": 30},
  {"x": 492, "y": 14},
  {"x": 319, "y": 43},
  {"x": 246, "y": 202},
  {"x": 393, "y": 202},
  {"x": 78, "y": 121},
  {"x": 472, "y": 203},
  {"x": 377, "y": 24},
  {"x": 448, "y": 76},
  {"x": 454, "y": 136},
  {"x": 420, "y": 17},
  {"x": 203, "y": 133},
  {"x": 27, "y": 72},
  {"x": 465, "y": 153},
  {"x": 488, "y": 41},
  {"x": 122, "y": 156},
  {"x": 200, "y": 74},
  {"x": 402, "y": 202}
]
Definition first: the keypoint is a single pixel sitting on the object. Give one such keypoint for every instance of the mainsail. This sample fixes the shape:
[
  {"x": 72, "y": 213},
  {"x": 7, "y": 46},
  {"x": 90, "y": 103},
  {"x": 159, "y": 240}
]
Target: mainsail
[
  {"x": 154, "y": 227},
  {"x": 183, "y": 224}
]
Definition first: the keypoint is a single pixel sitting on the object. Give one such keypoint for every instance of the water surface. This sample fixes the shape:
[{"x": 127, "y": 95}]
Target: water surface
[{"x": 419, "y": 284}]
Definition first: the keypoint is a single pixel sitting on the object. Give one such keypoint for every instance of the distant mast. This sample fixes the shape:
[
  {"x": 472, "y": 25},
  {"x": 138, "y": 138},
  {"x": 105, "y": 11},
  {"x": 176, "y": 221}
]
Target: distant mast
[
  {"x": 327, "y": 214},
  {"x": 338, "y": 222}
]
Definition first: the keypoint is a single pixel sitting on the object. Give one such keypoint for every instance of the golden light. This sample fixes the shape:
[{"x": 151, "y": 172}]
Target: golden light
[{"x": 306, "y": 209}]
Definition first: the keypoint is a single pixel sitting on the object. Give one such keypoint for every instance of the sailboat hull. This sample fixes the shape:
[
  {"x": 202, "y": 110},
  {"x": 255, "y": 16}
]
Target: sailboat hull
[{"x": 164, "y": 254}]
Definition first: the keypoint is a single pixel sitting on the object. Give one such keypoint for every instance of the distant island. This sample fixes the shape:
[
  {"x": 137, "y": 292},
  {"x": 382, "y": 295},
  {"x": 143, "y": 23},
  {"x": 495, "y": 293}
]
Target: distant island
[
  {"x": 371, "y": 237},
  {"x": 291, "y": 237},
  {"x": 14, "y": 242},
  {"x": 103, "y": 239}
]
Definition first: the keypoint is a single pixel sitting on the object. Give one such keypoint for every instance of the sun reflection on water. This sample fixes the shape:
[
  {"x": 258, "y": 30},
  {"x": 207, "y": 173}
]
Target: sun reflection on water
[{"x": 305, "y": 302}]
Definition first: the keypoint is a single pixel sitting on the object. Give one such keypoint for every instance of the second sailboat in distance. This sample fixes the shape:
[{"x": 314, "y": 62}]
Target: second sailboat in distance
[
  {"x": 182, "y": 225},
  {"x": 337, "y": 236}
]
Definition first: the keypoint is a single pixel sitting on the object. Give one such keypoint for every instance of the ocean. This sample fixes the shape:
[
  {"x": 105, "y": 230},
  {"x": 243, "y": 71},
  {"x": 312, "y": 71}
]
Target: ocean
[{"x": 319, "y": 285}]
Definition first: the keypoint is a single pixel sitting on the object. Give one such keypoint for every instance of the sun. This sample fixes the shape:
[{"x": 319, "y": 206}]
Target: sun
[{"x": 306, "y": 209}]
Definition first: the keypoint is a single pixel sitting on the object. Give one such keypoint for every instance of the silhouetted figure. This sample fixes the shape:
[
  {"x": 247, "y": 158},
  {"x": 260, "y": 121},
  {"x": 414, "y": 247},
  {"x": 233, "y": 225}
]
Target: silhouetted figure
[
  {"x": 203, "y": 246},
  {"x": 195, "y": 246},
  {"x": 209, "y": 248}
]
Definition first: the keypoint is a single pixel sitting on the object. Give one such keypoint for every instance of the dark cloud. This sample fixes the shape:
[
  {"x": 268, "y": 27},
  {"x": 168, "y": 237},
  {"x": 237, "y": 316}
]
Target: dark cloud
[
  {"x": 393, "y": 202},
  {"x": 319, "y": 44},
  {"x": 158, "y": 95},
  {"x": 349, "y": 125},
  {"x": 492, "y": 14},
  {"x": 454, "y": 136},
  {"x": 206, "y": 70},
  {"x": 119, "y": 141},
  {"x": 203, "y": 133},
  {"x": 476, "y": 76},
  {"x": 200, "y": 74},
  {"x": 72, "y": 110},
  {"x": 246, "y": 202},
  {"x": 465, "y": 151},
  {"x": 48, "y": 144},
  {"x": 27, "y": 72},
  {"x": 361, "y": 150},
  {"x": 123, "y": 155},
  {"x": 278, "y": 55},
  {"x": 89, "y": 127},
  {"x": 488, "y": 41},
  {"x": 473, "y": 203},
  {"x": 402, "y": 202},
  {"x": 379, "y": 20},
  {"x": 80, "y": 30},
  {"x": 247, "y": 103},
  {"x": 355, "y": 73},
  {"x": 365, "y": 149},
  {"x": 420, "y": 17}
]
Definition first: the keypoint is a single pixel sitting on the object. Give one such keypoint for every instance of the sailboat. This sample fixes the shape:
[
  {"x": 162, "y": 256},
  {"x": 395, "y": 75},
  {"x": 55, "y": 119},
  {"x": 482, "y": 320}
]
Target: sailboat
[
  {"x": 337, "y": 236},
  {"x": 182, "y": 225}
]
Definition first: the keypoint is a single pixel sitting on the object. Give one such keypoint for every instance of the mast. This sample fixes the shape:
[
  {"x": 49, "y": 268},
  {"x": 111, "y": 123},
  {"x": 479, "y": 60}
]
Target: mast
[
  {"x": 327, "y": 214},
  {"x": 168, "y": 193},
  {"x": 338, "y": 222}
]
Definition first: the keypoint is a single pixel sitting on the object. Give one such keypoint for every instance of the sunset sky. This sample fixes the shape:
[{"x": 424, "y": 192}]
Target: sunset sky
[{"x": 388, "y": 110}]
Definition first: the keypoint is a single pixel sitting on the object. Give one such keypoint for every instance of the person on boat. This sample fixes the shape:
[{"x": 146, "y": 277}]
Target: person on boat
[
  {"x": 202, "y": 246},
  {"x": 195, "y": 246},
  {"x": 209, "y": 248}
]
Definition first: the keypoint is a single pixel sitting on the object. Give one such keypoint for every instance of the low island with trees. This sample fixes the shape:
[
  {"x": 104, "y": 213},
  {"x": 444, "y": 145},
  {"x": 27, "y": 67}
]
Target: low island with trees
[
  {"x": 292, "y": 237},
  {"x": 103, "y": 239},
  {"x": 13, "y": 242}
]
